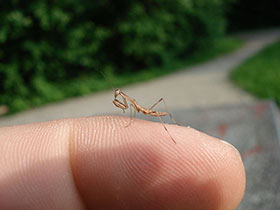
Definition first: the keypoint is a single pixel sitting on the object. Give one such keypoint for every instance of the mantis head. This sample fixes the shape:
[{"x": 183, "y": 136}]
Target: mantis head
[{"x": 117, "y": 92}]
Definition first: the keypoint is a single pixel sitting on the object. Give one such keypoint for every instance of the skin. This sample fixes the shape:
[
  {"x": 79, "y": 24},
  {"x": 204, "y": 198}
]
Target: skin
[{"x": 97, "y": 163}]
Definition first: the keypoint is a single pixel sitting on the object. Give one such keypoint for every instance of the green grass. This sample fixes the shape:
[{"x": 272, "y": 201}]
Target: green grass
[
  {"x": 87, "y": 84},
  {"x": 260, "y": 75}
]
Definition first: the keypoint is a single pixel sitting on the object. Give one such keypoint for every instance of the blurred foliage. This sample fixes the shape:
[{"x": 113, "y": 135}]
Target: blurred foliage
[
  {"x": 46, "y": 45},
  {"x": 260, "y": 74},
  {"x": 251, "y": 14}
]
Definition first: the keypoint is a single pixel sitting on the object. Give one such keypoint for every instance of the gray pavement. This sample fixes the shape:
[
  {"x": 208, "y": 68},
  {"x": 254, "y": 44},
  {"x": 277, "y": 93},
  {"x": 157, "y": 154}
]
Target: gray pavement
[{"x": 203, "y": 85}]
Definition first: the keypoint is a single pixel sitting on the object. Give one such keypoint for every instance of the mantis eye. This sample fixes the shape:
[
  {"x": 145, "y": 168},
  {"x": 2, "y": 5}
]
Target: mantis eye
[{"x": 117, "y": 92}]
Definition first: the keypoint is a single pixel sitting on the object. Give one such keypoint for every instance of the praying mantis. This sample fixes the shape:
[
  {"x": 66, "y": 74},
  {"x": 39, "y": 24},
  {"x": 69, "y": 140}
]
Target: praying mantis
[{"x": 138, "y": 108}]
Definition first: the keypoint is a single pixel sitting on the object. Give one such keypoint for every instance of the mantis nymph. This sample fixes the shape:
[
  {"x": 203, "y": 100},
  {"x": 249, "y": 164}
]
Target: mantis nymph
[{"x": 138, "y": 108}]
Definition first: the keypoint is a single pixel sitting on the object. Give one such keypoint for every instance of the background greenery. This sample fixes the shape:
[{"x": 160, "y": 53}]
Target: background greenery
[
  {"x": 50, "y": 50},
  {"x": 251, "y": 14},
  {"x": 260, "y": 74}
]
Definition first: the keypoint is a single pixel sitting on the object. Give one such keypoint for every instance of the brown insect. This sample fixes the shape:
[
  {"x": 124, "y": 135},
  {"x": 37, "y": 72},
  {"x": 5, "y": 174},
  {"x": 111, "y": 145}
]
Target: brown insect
[{"x": 138, "y": 108}]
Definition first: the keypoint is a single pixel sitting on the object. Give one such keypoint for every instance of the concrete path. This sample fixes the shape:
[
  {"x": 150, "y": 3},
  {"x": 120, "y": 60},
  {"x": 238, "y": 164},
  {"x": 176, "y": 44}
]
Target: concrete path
[{"x": 204, "y": 85}]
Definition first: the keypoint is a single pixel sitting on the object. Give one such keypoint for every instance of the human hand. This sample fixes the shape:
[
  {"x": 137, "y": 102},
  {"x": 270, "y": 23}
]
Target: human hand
[{"x": 97, "y": 163}]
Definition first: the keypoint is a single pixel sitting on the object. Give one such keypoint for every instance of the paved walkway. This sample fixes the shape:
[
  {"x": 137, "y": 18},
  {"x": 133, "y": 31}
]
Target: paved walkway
[{"x": 204, "y": 85}]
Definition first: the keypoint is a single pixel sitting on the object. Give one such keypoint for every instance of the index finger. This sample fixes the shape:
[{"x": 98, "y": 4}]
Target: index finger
[{"x": 97, "y": 163}]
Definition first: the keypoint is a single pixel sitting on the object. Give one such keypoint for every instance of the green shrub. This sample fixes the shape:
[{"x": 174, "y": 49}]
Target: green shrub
[{"x": 47, "y": 43}]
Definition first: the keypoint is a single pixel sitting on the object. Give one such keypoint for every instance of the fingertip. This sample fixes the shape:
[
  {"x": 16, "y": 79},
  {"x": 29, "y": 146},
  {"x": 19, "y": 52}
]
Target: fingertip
[
  {"x": 216, "y": 159},
  {"x": 141, "y": 160}
]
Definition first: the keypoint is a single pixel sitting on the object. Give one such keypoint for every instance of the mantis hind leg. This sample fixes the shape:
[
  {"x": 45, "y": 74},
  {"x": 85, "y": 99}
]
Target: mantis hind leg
[
  {"x": 166, "y": 129},
  {"x": 169, "y": 114}
]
